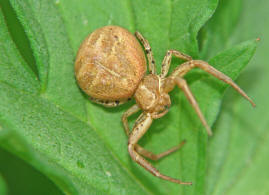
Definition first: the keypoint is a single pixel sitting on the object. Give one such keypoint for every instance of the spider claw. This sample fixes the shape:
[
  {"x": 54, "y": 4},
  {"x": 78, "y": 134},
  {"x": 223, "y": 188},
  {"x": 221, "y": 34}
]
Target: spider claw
[{"x": 252, "y": 103}]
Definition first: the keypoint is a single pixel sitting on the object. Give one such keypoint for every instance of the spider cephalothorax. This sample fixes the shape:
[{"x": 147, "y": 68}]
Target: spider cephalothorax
[
  {"x": 110, "y": 67},
  {"x": 151, "y": 97}
]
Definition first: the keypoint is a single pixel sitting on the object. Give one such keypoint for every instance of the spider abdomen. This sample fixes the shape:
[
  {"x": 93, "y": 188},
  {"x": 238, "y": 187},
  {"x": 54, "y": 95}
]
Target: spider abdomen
[{"x": 110, "y": 64}]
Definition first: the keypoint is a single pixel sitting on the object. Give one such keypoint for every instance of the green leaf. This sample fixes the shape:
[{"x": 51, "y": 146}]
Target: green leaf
[
  {"x": 238, "y": 155},
  {"x": 3, "y": 188},
  {"x": 215, "y": 35},
  {"x": 66, "y": 148},
  {"x": 81, "y": 146},
  {"x": 28, "y": 181}
]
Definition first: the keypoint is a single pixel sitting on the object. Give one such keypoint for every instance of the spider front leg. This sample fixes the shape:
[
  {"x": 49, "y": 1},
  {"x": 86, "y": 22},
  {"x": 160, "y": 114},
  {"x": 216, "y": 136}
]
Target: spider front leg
[
  {"x": 181, "y": 83},
  {"x": 138, "y": 148},
  {"x": 167, "y": 60},
  {"x": 138, "y": 131},
  {"x": 151, "y": 61},
  {"x": 180, "y": 71}
]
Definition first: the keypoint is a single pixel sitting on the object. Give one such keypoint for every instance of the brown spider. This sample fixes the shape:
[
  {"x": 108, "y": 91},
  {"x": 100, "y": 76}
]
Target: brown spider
[{"x": 110, "y": 67}]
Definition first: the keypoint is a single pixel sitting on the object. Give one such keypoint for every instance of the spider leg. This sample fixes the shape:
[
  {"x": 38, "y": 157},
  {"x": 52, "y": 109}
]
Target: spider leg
[
  {"x": 138, "y": 131},
  {"x": 181, "y": 83},
  {"x": 140, "y": 149},
  {"x": 125, "y": 115},
  {"x": 108, "y": 103},
  {"x": 153, "y": 156},
  {"x": 167, "y": 60},
  {"x": 187, "y": 66},
  {"x": 151, "y": 61}
]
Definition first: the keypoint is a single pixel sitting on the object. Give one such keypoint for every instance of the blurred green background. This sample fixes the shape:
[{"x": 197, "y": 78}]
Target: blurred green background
[
  {"x": 18, "y": 176},
  {"x": 225, "y": 175}
]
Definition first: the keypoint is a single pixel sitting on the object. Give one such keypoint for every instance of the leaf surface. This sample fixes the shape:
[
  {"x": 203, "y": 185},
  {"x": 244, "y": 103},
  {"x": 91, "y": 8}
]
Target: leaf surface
[
  {"x": 3, "y": 188},
  {"x": 238, "y": 155},
  {"x": 81, "y": 146}
]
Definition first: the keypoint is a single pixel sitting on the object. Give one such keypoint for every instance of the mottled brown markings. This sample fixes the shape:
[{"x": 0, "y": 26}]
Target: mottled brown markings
[
  {"x": 110, "y": 68},
  {"x": 117, "y": 69}
]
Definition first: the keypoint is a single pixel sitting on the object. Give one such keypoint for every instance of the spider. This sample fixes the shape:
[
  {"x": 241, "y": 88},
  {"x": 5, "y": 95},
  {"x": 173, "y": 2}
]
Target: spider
[{"x": 110, "y": 67}]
